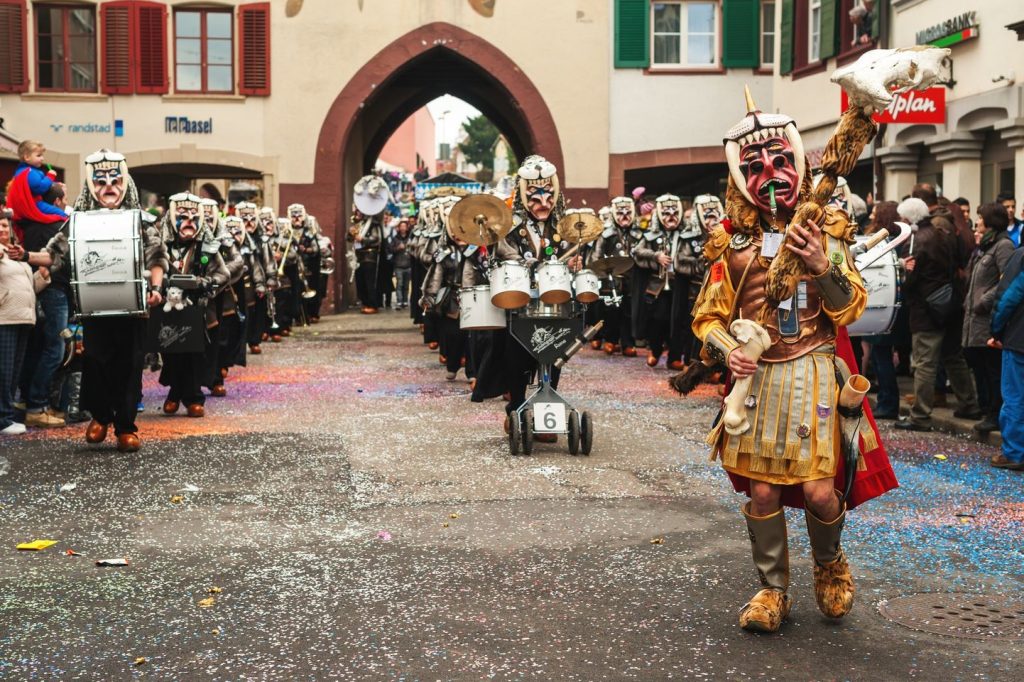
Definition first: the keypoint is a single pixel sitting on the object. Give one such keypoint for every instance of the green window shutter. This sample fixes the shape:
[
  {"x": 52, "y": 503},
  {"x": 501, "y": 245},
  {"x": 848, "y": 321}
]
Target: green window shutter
[
  {"x": 829, "y": 28},
  {"x": 741, "y": 39},
  {"x": 632, "y": 34},
  {"x": 786, "y": 37}
]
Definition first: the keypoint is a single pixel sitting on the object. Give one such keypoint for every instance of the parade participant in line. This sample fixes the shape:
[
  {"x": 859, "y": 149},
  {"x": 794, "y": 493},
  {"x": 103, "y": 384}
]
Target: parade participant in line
[
  {"x": 596, "y": 311},
  {"x": 617, "y": 240},
  {"x": 656, "y": 253},
  {"x": 188, "y": 254},
  {"x": 247, "y": 291},
  {"x": 690, "y": 268},
  {"x": 784, "y": 442},
  {"x": 416, "y": 271},
  {"x": 225, "y": 326},
  {"x": 433, "y": 231},
  {"x": 254, "y": 248},
  {"x": 441, "y": 293},
  {"x": 288, "y": 295},
  {"x": 367, "y": 237},
  {"x": 537, "y": 206},
  {"x": 113, "y": 353},
  {"x": 307, "y": 232},
  {"x": 324, "y": 271}
]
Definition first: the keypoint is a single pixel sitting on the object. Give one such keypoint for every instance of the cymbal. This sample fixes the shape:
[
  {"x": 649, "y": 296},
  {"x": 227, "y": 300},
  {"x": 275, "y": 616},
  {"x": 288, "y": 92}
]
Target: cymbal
[
  {"x": 612, "y": 265},
  {"x": 580, "y": 225},
  {"x": 480, "y": 219}
]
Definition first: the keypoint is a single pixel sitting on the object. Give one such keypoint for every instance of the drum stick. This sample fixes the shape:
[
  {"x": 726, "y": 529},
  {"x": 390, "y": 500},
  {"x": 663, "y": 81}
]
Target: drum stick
[
  {"x": 569, "y": 254},
  {"x": 578, "y": 344},
  {"x": 877, "y": 238}
]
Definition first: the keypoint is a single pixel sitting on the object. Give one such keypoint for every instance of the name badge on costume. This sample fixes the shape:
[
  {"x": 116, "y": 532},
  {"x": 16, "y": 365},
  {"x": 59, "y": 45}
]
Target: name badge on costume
[
  {"x": 789, "y": 320},
  {"x": 801, "y": 295},
  {"x": 771, "y": 242}
]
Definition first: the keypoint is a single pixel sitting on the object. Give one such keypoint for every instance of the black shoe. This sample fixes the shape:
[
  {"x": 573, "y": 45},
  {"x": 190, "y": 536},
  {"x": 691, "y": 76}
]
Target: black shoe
[
  {"x": 886, "y": 415},
  {"x": 909, "y": 425},
  {"x": 967, "y": 412},
  {"x": 986, "y": 425}
]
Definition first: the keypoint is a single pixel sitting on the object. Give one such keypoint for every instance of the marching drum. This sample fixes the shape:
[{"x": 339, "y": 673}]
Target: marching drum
[
  {"x": 476, "y": 312},
  {"x": 510, "y": 285},
  {"x": 587, "y": 285},
  {"x": 882, "y": 282},
  {"x": 554, "y": 282},
  {"x": 106, "y": 253}
]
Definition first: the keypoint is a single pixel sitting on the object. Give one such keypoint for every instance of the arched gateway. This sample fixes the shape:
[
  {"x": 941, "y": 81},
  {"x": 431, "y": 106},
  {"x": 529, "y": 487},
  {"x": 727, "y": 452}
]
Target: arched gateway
[{"x": 424, "y": 64}]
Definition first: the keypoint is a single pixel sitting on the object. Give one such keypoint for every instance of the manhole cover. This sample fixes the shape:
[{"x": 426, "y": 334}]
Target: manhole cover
[{"x": 972, "y": 616}]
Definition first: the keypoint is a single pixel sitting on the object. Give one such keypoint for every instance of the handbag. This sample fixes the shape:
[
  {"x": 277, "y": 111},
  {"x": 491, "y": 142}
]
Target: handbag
[{"x": 940, "y": 303}]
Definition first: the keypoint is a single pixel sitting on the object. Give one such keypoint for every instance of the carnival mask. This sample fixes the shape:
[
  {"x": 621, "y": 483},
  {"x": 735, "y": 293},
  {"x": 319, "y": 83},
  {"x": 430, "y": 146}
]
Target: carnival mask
[
  {"x": 538, "y": 186},
  {"x": 670, "y": 210},
  {"x": 106, "y": 173},
  {"x": 297, "y": 213},
  {"x": 766, "y": 160},
  {"x": 235, "y": 228},
  {"x": 709, "y": 211},
  {"x": 210, "y": 211},
  {"x": 186, "y": 213},
  {"x": 624, "y": 211}
]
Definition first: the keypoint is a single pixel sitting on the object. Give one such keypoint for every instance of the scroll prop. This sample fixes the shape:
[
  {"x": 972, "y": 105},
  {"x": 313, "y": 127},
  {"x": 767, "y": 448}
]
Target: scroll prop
[{"x": 754, "y": 341}]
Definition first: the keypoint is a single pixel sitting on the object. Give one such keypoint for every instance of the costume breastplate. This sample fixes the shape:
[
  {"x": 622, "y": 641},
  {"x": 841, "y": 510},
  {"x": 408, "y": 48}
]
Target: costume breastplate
[{"x": 806, "y": 324}]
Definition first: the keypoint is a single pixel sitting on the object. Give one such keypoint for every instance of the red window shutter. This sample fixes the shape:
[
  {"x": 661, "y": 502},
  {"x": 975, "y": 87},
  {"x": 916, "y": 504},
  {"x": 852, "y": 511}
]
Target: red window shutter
[
  {"x": 151, "y": 48},
  {"x": 254, "y": 49},
  {"x": 13, "y": 61},
  {"x": 116, "y": 47}
]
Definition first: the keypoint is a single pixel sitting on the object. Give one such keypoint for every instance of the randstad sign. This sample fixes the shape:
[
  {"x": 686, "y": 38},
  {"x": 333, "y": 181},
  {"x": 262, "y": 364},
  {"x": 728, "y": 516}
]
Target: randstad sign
[{"x": 927, "y": 106}]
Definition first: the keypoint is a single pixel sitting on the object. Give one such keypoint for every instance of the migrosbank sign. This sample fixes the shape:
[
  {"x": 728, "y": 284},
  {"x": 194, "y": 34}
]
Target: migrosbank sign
[{"x": 927, "y": 106}]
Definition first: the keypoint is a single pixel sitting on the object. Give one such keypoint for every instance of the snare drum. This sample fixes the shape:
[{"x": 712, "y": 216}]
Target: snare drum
[
  {"x": 882, "y": 282},
  {"x": 587, "y": 285},
  {"x": 510, "y": 285},
  {"x": 554, "y": 282},
  {"x": 106, "y": 254},
  {"x": 476, "y": 312}
]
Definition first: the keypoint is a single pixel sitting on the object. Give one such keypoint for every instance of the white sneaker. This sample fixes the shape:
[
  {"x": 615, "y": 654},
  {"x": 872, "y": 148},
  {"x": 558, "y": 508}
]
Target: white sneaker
[{"x": 15, "y": 429}]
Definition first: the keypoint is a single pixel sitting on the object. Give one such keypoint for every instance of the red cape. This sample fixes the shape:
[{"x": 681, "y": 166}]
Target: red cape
[
  {"x": 878, "y": 479},
  {"x": 23, "y": 204}
]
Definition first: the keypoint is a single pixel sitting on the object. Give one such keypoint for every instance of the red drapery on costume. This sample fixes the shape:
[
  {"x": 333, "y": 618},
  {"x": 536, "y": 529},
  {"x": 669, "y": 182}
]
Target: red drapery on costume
[{"x": 879, "y": 477}]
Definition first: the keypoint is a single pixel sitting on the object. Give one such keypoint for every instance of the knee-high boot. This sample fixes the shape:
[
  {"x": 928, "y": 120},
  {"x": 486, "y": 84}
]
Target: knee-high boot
[
  {"x": 833, "y": 583},
  {"x": 768, "y": 542}
]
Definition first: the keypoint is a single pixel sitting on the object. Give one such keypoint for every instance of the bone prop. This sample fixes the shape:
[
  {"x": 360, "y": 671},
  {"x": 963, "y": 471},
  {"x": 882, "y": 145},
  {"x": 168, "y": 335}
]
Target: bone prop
[
  {"x": 877, "y": 75},
  {"x": 754, "y": 341}
]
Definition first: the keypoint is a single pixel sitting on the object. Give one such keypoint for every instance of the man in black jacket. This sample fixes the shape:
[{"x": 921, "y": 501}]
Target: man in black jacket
[{"x": 932, "y": 264}]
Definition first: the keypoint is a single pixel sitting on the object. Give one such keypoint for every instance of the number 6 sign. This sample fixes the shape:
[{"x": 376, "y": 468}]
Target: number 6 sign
[{"x": 549, "y": 418}]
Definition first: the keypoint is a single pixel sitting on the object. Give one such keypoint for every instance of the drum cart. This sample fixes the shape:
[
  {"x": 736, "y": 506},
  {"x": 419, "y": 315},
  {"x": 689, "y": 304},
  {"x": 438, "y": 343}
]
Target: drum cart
[{"x": 551, "y": 334}]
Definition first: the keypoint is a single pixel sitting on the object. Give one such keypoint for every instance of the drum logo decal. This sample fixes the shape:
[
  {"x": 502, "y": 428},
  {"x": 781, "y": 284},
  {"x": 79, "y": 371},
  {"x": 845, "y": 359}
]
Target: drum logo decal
[
  {"x": 94, "y": 262},
  {"x": 169, "y": 335},
  {"x": 545, "y": 337}
]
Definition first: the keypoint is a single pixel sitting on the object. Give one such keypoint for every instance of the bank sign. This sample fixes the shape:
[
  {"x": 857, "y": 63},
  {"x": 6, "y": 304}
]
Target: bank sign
[
  {"x": 951, "y": 31},
  {"x": 184, "y": 124},
  {"x": 927, "y": 106}
]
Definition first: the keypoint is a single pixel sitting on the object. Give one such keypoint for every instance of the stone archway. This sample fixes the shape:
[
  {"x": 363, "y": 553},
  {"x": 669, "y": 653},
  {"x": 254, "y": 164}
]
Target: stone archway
[{"x": 428, "y": 62}]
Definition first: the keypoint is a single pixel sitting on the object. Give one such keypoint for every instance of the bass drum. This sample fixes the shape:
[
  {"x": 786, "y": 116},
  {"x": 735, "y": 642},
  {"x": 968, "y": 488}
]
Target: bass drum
[
  {"x": 882, "y": 282},
  {"x": 476, "y": 312},
  {"x": 106, "y": 254}
]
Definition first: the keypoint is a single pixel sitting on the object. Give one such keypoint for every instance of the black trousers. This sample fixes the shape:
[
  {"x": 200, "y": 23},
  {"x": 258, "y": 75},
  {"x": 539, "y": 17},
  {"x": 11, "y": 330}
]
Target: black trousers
[
  {"x": 520, "y": 368},
  {"x": 112, "y": 370},
  {"x": 987, "y": 365},
  {"x": 415, "y": 310},
  {"x": 682, "y": 339},
  {"x": 655, "y": 315},
  {"x": 367, "y": 287},
  {"x": 183, "y": 374},
  {"x": 453, "y": 343},
  {"x": 431, "y": 327},
  {"x": 284, "y": 302},
  {"x": 489, "y": 352},
  {"x": 256, "y": 321}
]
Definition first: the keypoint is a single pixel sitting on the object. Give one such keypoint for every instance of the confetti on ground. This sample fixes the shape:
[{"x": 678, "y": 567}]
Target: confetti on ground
[
  {"x": 36, "y": 545},
  {"x": 68, "y": 487},
  {"x": 206, "y": 603}
]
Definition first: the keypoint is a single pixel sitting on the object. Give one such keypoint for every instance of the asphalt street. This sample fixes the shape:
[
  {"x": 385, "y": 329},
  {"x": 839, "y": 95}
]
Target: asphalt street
[{"x": 346, "y": 513}]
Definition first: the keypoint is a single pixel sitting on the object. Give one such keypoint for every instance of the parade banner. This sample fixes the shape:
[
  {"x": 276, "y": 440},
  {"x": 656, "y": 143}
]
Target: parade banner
[{"x": 927, "y": 106}]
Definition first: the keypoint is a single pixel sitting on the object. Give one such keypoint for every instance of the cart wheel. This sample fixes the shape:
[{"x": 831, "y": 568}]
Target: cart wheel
[
  {"x": 514, "y": 434},
  {"x": 586, "y": 433},
  {"x": 527, "y": 429},
  {"x": 574, "y": 432}
]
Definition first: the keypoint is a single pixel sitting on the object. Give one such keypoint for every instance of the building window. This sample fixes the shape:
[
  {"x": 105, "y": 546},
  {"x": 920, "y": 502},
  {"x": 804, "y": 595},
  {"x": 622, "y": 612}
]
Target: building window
[
  {"x": 65, "y": 48},
  {"x": 768, "y": 33},
  {"x": 684, "y": 33},
  {"x": 203, "y": 51},
  {"x": 814, "y": 46}
]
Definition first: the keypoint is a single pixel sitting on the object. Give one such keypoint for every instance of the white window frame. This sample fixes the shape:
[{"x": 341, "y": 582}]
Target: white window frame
[
  {"x": 683, "y": 34},
  {"x": 813, "y": 31},
  {"x": 767, "y": 30}
]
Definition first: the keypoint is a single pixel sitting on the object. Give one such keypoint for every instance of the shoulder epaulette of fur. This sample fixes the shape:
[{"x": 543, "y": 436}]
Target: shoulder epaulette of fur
[{"x": 714, "y": 247}]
